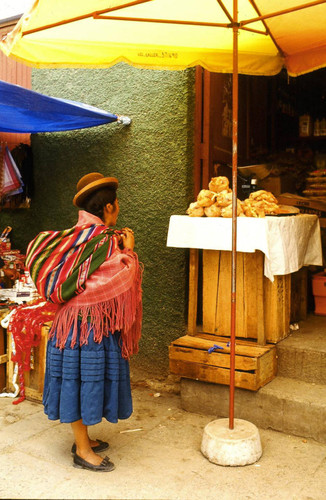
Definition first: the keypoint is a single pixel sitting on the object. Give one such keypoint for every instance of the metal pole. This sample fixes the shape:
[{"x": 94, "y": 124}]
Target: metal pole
[{"x": 235, "y": 90}]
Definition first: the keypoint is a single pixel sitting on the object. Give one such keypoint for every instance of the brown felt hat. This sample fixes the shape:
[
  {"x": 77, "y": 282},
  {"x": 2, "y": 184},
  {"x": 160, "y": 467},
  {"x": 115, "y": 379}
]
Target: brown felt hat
[{"x": 91, "y": 182}]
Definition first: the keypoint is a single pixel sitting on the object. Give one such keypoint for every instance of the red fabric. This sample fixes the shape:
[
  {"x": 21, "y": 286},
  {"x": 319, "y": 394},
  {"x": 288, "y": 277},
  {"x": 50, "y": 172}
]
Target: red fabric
[
  {"x": 111, "y": 301},
  {"x": 11, "y": 175},
  {"x": 60, "y": 262},
  {"x": 25, "y": 325}
]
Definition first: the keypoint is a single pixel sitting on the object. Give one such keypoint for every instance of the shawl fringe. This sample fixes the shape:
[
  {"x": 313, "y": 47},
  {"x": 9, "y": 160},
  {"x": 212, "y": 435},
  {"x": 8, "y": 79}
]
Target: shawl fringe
[{"x": 121, "y": 313}]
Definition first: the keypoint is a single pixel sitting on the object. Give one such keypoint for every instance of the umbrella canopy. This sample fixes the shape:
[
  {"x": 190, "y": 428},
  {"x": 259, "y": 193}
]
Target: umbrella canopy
[
  {"x": 23, "y": 110},
  {"x": 172, "y": 34}
]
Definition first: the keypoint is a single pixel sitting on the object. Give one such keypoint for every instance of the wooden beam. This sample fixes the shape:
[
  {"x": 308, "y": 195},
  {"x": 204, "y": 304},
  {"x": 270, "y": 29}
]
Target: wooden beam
[{"x": 193, "y": 291}]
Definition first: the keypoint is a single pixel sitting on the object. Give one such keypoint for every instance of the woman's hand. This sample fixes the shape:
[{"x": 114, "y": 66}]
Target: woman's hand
[{"x": 127, "y": 237}]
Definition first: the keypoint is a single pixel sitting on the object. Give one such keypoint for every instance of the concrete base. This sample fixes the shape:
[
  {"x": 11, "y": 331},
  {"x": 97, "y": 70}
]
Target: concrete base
[{"x": 233, "y": 447}]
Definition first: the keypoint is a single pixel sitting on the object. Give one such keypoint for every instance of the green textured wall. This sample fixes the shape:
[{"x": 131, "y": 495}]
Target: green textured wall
[{"x": 153, "y": 160}]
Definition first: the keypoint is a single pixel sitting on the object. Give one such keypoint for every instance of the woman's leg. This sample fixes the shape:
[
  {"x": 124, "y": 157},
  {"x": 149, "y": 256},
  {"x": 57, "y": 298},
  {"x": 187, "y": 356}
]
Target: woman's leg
[{"x": 83, "y": 443}]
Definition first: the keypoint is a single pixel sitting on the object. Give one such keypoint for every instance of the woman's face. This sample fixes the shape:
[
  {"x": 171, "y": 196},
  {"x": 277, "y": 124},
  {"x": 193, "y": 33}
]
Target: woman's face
[{"x": 110, "y": 213}]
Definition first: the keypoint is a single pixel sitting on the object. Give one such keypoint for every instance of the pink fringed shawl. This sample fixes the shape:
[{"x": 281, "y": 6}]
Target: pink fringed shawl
[{"x": 111, "y": 301}]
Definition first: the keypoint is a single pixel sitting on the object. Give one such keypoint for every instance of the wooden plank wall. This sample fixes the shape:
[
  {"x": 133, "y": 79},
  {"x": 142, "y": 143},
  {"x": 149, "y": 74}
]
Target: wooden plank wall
[{"x": 263, "y": 307}]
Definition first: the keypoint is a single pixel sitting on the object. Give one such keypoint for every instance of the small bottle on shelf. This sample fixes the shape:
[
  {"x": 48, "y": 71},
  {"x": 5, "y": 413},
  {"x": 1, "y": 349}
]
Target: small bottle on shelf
[
  {"x": 305, "y": 125},
  {"x": 317, "y": 128},
  {"x": 253, "y": 185},
  {"x": 322, "y": 128}
]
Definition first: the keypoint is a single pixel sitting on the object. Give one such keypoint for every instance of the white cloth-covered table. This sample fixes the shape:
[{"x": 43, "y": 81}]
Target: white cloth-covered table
[{"x": 288, "y": 243}]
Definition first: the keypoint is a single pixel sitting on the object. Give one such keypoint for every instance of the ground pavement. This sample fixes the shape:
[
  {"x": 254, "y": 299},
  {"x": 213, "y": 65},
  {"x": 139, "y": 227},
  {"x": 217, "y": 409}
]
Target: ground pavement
[{"x": 157, "y": 456}]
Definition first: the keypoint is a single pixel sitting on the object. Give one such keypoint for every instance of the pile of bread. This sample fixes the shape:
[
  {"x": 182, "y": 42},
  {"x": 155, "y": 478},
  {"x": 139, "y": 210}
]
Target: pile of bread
[
  {"x": 216, "y": 201},
  {"x": 316, "y": 185}
]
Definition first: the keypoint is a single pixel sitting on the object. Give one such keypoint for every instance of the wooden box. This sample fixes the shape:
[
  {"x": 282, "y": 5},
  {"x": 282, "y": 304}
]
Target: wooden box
[
  {"x": 299, "y": 295},
  {"x": 262, "y": 307},
  {"x": 255, "y": 365},
  {"x": 278, "y": 184},
  {"x": 34, "y": 379},
  {"x": 3, "y": 359}
]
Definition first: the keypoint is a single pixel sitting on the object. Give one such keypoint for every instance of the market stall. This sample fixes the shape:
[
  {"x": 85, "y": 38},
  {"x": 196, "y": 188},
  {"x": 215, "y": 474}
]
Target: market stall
[
  {"x": 288, "y": 242},
  {"x": 270, "y": 252}
]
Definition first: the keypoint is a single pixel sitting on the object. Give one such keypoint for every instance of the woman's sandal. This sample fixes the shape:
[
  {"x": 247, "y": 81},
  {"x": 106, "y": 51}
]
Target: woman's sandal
[
  {"x": 101, "y": 446},
  {"x": 105, "y": 465}
]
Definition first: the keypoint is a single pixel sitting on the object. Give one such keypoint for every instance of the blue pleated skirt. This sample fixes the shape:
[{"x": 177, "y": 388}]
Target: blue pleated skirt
[{"x": 88, "y": 382}]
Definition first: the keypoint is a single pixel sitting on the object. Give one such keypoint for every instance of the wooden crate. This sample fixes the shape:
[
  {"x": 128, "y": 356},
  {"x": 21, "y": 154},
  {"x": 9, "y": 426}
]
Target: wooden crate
[
  {"x": 3, "y": 350},
  {"x": 34, "y": 379},
  {"x": 299, "y": 295},
  {"x": 255, "y": 365},
  {"x": 3, "y": 359},
  {"x": 262, "y": 307}
]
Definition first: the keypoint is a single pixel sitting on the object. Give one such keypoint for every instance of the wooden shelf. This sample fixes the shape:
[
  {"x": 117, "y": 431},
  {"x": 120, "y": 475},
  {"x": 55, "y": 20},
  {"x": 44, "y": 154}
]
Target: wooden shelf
[{"x": 312, "y": 138}]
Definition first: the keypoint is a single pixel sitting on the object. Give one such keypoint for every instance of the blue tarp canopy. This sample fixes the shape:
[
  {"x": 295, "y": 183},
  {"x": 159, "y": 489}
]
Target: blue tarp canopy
[{"x": 26, "y": 111}]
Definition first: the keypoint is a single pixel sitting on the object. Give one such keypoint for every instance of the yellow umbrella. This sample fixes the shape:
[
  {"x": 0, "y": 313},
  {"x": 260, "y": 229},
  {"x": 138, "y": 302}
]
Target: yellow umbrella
[
  {"x": 178, "y": 34},
  {"x": 172, "y": 34}
]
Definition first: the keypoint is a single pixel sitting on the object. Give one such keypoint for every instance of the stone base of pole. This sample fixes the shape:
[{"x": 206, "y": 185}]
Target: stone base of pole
[{"x": 232, "y": 447}]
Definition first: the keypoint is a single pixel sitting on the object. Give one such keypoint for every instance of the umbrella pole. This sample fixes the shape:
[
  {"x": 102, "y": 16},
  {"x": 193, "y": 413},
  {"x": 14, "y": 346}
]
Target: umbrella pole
[
  {"x": 235, "y": 90},
  {"x": 224, "y": 443}
]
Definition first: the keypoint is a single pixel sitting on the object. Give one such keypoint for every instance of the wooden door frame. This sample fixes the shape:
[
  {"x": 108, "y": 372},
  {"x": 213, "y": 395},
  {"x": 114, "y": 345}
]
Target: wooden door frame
[
  {"x": 202, "y": 130},
  {"x": 201, "y": 179}
]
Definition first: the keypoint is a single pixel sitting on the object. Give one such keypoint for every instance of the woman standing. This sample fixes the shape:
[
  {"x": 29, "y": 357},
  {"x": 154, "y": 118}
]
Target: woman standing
[{"x": 94, "y": 275}]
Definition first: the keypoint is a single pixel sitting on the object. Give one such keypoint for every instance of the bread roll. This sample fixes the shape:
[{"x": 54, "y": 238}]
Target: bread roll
[
  {"x": 262, "y": 195},
  {"x": 251, "y": 209},
  {"x": 227, "y": 211},
  {"x": 206, "y": 198},
  {"x": 194, "y": 210},
  {"x": 224, "y": 198},
  {"x": 213, "y": 211},
  {"x": 218, "y": 184}
]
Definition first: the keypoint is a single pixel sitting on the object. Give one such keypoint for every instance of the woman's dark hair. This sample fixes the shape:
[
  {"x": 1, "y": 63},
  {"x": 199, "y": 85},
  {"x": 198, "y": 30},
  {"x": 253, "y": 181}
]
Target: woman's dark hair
[{"x": 96, "y": 201}]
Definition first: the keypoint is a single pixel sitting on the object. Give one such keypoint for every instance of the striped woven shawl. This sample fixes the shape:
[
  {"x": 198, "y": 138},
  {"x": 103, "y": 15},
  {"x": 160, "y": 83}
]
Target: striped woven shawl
[{"x": 83, "y": 270}]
